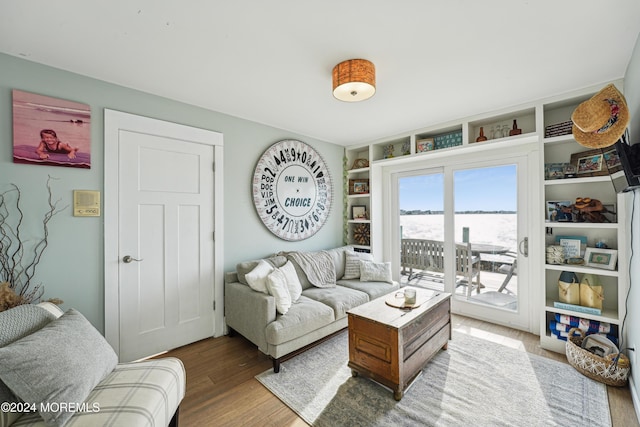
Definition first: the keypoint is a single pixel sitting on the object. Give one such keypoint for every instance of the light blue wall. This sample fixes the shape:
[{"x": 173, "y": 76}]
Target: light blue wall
[
  {"x": 632, "y": 325},
  {"x": 72, "y": 267}
]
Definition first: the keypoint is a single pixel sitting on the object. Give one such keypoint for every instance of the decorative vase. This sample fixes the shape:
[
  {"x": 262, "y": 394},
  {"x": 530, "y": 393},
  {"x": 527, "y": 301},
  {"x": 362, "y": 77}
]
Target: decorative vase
[
  {"x": 515, "y": 130},
  {"x": 481, "y": 137}
]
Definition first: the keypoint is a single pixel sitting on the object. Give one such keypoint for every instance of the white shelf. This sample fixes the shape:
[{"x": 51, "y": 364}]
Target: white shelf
[
  {"x": 358, "y": 196},
  {"x": 580, "y": 225},
  {"x": 608, "y": 316},
  {"x": 574, "y": 181},
  {"x": 359, "y": 221},
  {"x": 581, "y": 269}
]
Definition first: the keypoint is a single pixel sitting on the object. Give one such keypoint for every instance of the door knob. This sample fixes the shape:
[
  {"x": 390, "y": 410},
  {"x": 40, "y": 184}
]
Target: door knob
[{"x": 128, "y": 258}]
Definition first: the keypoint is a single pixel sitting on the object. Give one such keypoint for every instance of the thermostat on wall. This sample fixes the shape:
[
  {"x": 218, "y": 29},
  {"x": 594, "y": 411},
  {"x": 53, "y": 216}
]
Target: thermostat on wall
[{"x": 86, "y": 203}]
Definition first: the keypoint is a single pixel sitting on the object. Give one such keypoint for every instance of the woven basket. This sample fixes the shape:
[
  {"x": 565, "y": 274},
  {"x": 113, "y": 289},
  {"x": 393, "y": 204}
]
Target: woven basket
[{"x": 602, "y": 369}]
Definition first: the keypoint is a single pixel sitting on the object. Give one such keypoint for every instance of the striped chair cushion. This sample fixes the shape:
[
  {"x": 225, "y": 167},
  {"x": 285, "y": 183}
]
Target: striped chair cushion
[{"x": 135, "y": 394}]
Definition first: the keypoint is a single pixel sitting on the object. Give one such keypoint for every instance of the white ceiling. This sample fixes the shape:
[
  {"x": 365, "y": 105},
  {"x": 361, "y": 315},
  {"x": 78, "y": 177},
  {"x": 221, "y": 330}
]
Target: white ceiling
[{"x": 271, "y": 61}]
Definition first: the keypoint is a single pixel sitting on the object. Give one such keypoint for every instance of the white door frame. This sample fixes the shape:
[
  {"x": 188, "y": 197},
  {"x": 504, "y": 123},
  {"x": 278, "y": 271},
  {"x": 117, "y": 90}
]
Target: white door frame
[
  {"x": 113, "y": 122},
  {"x": 388, "y": 171}
]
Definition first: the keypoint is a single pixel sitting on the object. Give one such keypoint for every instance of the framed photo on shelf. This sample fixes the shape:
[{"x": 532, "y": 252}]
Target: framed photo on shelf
[
  {"x": 359, "y": 186},
  {"x": 601, "y": 258},
  {"x": 612, "y": 160},
  {"x": 554, "y": 170},
  {"x": 359, "y": 212},
  {"x": 425, "y": 144},
  {"x": 589, "y": 163},
  {"x": 559, "y": 211}
]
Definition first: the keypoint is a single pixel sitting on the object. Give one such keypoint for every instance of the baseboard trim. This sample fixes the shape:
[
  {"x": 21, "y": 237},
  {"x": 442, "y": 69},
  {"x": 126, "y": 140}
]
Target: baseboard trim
[{"x": 634, "y": 397}]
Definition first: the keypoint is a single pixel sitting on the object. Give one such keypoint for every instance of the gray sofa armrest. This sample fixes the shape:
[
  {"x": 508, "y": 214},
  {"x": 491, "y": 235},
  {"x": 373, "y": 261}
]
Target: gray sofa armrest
[{"x": 249, "y": 312}]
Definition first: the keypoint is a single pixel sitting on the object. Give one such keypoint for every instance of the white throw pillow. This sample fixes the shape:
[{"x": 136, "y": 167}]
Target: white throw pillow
[
  {"x": 277, "y": 286},
  {"x": 257, "y": 278},
  {"x": 375, "y": 271},
  {"x": 293, "y": 283},
  {"x": 352, "y": 263}
]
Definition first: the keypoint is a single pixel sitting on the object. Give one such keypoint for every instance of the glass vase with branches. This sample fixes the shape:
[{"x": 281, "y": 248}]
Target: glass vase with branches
[{"x": 19, "y": 256}]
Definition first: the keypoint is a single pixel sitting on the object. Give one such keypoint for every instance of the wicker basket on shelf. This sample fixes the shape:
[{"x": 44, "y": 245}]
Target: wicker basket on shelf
[{"x": 603, "y": 369}]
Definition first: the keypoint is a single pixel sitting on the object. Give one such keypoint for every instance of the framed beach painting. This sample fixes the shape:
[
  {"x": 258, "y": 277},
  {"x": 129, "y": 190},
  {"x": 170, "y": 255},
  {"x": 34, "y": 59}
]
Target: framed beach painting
[{"x": 51, "y": 131}]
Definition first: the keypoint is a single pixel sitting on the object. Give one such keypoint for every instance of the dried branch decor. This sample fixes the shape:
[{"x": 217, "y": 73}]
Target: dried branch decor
[{"x": 20, "y": 257}]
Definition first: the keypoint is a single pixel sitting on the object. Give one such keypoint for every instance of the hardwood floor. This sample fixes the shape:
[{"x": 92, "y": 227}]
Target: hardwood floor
[{"x": 222, "y": 390}]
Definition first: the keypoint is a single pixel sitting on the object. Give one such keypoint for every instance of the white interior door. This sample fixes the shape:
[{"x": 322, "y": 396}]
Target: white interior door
[{"x": 165, "y": 238}]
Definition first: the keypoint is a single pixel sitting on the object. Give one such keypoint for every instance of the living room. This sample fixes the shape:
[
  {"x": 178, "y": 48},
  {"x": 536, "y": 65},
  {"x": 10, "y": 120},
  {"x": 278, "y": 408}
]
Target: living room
[{"x": 74, "y": 265}]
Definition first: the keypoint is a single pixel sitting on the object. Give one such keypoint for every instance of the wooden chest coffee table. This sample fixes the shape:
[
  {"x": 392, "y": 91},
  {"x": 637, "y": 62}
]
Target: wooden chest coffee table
[{"x": 391, "y": 345}]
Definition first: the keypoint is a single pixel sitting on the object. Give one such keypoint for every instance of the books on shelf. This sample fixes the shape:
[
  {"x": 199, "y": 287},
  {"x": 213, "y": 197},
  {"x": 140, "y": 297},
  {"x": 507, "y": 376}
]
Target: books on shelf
[{"x": 578, "y": 308}]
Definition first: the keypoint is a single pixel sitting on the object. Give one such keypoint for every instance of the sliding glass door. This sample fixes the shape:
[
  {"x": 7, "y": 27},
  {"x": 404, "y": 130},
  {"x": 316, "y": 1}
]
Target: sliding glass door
[{"x": 462, "y": 229}]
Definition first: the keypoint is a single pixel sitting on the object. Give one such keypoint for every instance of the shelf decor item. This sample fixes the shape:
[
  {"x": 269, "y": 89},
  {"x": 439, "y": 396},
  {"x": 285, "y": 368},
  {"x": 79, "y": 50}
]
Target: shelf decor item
[
  {"x": 558, "y": 129},
  {"x": 555, "y": 254},
  {"x": 601, "y": 258},
  {"x": 612, "y": 160},
  {"x": 570, "y": 170},
  {"x": 358, "y": 186},
  {"x": 360, "y": 163},
  {"x": 569, "y": 288},
  {"x": 514, "y": 130},
  {"x": 406, "y": 148},
  {"x": 612, "y": 369},
  {"x": 425, "y": 144},
  {"x": 481, "y": 138},
  {"x": 554, "y": 170},
  {"x": 600, "y": 121},
  {"x": 589, "y": 163},
  {"x": 446, "y": 140},
  {"x": 388, "y": 151},
  {"x": 359, "y": 212},
  {"x": 559, "y": 211},
  {"x": 591, "y": 291},
  {"x": 571, "y": 248},
  {"x": 361, "y": 234}
]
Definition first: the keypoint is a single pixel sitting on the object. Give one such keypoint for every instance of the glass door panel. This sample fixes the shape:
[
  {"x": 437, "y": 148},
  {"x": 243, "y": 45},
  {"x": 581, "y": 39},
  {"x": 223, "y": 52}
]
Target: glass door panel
[
  {"x": 421, "y": 200},
  {"x": 486, "y": 235}
]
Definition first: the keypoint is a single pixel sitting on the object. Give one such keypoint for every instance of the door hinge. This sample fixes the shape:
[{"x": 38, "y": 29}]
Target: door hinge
[
  {"x": 214, "y": 306},
  {"x": 214, "y": 166}
]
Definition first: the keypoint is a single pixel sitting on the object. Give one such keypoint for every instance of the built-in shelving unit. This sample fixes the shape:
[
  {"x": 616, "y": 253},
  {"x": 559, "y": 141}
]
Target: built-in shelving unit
[
  {"x": 546, "y": 122},
  {"x": 561, "y": 149}
]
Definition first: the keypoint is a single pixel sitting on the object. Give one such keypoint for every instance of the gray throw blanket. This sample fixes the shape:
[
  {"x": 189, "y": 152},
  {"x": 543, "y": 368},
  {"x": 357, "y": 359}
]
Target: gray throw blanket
[{"x": 318, "y": 266}]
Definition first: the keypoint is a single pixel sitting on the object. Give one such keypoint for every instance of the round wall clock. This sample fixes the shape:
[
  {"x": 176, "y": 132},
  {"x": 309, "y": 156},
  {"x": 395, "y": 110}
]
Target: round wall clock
[{"x": 292, "y": 190}]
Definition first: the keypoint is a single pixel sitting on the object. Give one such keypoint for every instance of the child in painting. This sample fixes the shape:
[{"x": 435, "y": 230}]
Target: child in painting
[{"x": 49, "y": 143}]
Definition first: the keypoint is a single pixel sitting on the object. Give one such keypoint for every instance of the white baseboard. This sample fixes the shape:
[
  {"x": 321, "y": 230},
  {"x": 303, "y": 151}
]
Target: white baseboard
[{"x": 634, "y": 396}]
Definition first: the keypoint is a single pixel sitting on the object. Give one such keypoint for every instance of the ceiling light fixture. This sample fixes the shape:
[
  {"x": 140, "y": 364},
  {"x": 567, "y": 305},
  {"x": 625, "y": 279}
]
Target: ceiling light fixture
[{"x": 354, "y": 80}]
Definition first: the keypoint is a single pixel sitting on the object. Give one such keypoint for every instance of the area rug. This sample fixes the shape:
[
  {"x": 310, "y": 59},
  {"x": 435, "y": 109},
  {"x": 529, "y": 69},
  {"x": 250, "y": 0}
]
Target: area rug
[{"x": 473, "y": 383}]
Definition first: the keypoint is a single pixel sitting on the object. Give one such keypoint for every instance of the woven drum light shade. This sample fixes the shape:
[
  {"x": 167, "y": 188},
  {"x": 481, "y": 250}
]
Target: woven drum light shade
[{"x": 354, "y": 80}]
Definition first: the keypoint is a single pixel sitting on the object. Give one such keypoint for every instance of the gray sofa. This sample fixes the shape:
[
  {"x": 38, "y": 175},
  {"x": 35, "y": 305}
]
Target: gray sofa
[{"x": 317, "y": 313}]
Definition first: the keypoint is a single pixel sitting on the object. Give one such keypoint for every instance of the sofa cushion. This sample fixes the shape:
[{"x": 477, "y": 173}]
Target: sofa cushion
[
  {"x": 375, "y": 271},
  {"x": 58, "y": 364},
  {"x": 277, "y": 287},
  {"x": 373, "y": 289},
  {"x": 243, "y": 268},
  {"x": 338, "y": 256},
  {"x": 257, "y": 278},
  {"x": 303, "y": 317},
  {"x": 352, "y": 264},
  {"x": 135, "y": 394},
  {"x": 16, "y": 323},
  {"x": 293, "y": 283},
  {"x": 340, "y": 299}
]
